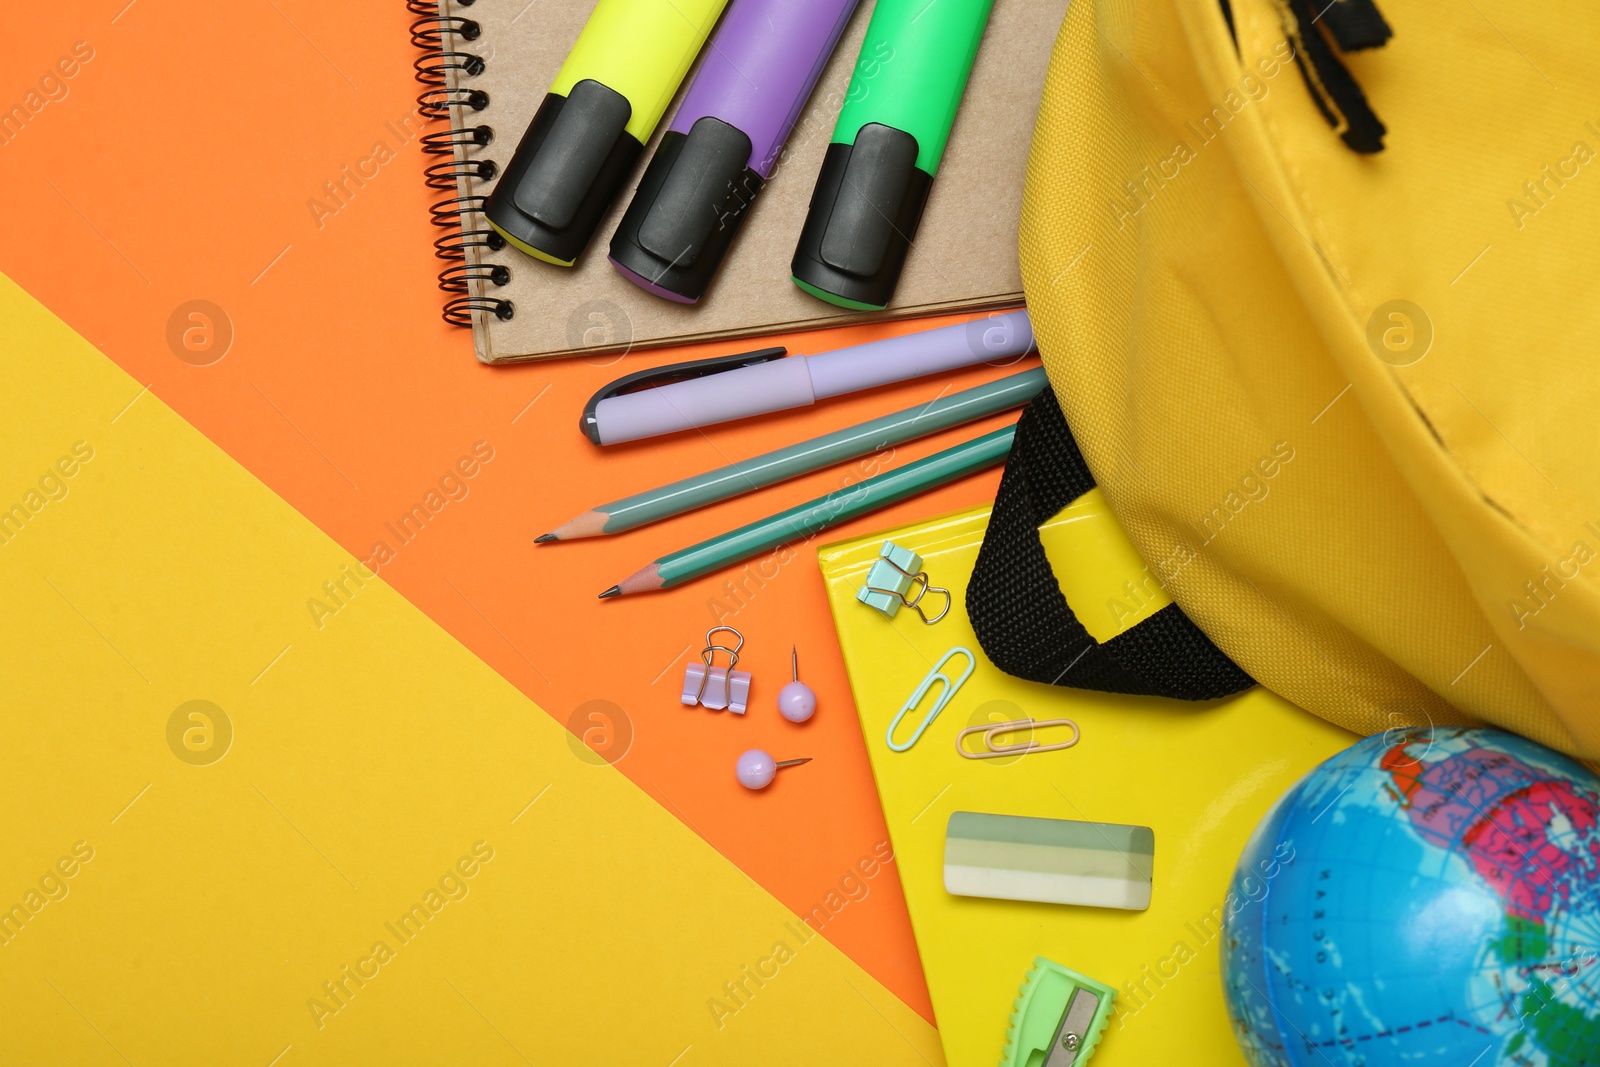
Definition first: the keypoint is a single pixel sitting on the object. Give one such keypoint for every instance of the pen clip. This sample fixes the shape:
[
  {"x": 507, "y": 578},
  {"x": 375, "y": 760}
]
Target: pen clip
[{"x": 668, "y": 375}]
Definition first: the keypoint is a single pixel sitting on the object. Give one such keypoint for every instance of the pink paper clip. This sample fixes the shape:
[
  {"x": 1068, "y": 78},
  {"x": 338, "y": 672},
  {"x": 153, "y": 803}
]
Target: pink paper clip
[{"x": 714, "y": 687}]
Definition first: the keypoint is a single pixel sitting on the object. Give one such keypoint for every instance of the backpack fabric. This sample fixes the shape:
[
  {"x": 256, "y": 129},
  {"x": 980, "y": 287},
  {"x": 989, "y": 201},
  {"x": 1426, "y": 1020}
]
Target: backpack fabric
[{"x": 1335, "y": 371}]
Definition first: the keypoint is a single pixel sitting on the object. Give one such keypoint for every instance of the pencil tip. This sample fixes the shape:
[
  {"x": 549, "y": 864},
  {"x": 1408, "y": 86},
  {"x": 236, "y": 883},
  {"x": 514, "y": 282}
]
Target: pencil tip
[
  {"x": 615, "y": 590},
  {"x": 542, "y": 538}
]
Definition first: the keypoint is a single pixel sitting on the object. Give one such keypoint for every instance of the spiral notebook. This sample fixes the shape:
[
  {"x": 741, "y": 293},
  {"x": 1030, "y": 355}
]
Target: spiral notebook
[{"x": 487, "y": 66}]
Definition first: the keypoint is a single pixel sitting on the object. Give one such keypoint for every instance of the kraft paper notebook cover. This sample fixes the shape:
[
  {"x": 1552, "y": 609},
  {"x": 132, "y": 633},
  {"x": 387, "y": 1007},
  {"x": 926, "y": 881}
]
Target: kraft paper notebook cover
[
  {"x": 1199, "y": 775},
  {"x": 965, "y": 256}
]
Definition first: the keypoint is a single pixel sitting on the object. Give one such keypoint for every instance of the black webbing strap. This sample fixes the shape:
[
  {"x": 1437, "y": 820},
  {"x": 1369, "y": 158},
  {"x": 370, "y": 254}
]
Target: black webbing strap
[{"x": 1016, "y": 607}]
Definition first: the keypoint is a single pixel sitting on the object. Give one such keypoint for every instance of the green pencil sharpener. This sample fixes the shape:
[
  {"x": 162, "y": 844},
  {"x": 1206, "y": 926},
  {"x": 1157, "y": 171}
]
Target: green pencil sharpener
[{"x": 1058, "y": 1018}]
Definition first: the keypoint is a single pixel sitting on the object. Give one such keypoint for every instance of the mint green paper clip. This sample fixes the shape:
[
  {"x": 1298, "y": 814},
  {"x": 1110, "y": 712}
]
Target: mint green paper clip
[{"x": 945, "y": 695}]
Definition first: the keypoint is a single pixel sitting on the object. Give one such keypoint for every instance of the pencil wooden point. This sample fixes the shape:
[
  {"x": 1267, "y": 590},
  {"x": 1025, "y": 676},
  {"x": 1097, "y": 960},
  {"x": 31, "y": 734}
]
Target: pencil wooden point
[
  {"x": 646, "y": 579},
  {"x": 591, "y": 523}
]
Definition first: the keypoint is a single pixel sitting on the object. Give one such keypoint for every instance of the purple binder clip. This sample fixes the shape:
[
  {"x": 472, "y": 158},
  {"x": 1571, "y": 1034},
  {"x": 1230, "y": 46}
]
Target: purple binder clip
[{"x": 713, "y": 687}]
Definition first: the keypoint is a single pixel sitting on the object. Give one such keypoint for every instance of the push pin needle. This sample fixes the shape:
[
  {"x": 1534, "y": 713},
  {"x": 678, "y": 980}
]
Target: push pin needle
[
  {"x": 756, "y": 768},
  {"x": 796, "y": 701}
]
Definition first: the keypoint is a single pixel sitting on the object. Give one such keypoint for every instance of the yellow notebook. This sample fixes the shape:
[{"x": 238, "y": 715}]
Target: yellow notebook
[{"x": 1199, "y": 775}]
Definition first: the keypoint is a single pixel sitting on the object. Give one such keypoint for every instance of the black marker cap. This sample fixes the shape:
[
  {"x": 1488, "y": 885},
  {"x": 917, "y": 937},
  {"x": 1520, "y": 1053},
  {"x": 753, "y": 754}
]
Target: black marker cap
[
  {"x": 566, "y": 171},
  {"x": 695, "y": 193},
  {"x": 863, "y": 217}
]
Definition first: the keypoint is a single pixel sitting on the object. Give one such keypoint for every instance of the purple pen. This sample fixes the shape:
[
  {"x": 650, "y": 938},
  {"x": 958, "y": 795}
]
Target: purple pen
[
  {"x": 706, "y": 392},
  {"x": 724, "y": 142}
]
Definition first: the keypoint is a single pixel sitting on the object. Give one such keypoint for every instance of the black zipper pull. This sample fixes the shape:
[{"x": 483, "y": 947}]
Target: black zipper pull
[
  {"x": 1333, "y": 88},
  {"x": 1356, "y": 25}
]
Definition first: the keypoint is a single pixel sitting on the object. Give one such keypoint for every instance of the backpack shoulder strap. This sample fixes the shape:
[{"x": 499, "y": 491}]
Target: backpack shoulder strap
[{"x": 1024, "y": 623}]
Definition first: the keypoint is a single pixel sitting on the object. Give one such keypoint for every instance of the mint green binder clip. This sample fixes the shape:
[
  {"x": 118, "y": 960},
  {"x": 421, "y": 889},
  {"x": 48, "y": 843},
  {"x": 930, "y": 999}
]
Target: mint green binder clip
[{"x": 896, "y": 578}]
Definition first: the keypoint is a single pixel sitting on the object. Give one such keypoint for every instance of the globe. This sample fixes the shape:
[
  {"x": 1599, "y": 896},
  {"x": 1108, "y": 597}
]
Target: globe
[{"x": 1428, "y": 896}]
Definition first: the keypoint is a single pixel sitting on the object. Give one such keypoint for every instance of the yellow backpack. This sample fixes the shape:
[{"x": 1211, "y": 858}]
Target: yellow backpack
[{"x": 1336, "y": 376}]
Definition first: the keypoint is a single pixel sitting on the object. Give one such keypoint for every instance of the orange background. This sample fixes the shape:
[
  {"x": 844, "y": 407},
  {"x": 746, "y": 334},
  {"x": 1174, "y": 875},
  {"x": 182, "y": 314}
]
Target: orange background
[{"x": 180, "y": 165}]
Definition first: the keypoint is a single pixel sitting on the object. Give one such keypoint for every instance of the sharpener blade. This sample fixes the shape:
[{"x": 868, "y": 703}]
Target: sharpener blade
[{"x": 1075, "y": 1023}]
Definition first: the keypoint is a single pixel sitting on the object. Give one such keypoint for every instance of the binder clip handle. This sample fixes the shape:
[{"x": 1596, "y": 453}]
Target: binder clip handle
[
  {"x": 917, "y": 587},
  {"x": 709, "y": 653}
]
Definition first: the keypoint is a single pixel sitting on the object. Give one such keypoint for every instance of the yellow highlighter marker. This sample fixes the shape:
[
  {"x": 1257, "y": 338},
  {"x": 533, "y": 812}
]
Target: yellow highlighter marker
[{"x": 604, "y": 105}]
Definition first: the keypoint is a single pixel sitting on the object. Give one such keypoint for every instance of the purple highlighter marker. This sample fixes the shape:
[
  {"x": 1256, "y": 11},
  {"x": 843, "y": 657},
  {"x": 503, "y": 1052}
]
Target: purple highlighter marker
[{"x": 724, "y": 142}]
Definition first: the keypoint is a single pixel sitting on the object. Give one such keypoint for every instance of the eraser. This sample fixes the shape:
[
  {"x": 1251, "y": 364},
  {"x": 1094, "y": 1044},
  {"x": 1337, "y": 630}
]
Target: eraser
[{"x": 1053, "y": 861}]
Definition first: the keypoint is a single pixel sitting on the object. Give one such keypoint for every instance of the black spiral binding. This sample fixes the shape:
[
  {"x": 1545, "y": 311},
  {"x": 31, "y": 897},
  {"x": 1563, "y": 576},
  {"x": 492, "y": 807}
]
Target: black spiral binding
[{"x": 442, "y": 61}]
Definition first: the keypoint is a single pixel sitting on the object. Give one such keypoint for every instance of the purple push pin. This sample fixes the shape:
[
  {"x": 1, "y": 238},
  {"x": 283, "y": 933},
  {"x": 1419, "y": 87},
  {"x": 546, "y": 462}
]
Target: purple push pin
[
  {"x": 796, "y": 701},
  {"x": 757, "y": 768}
]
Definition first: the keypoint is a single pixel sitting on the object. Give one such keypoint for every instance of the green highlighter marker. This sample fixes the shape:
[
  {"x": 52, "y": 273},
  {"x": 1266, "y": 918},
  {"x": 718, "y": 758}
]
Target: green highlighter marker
[
  {"x": 603, "y": 106},
  {"x": 886, "y": 148}
]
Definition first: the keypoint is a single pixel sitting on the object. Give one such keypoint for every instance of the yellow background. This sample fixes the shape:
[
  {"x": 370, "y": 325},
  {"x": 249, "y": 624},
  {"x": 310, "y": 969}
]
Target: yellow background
[{"x": 368, "y": 756}]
